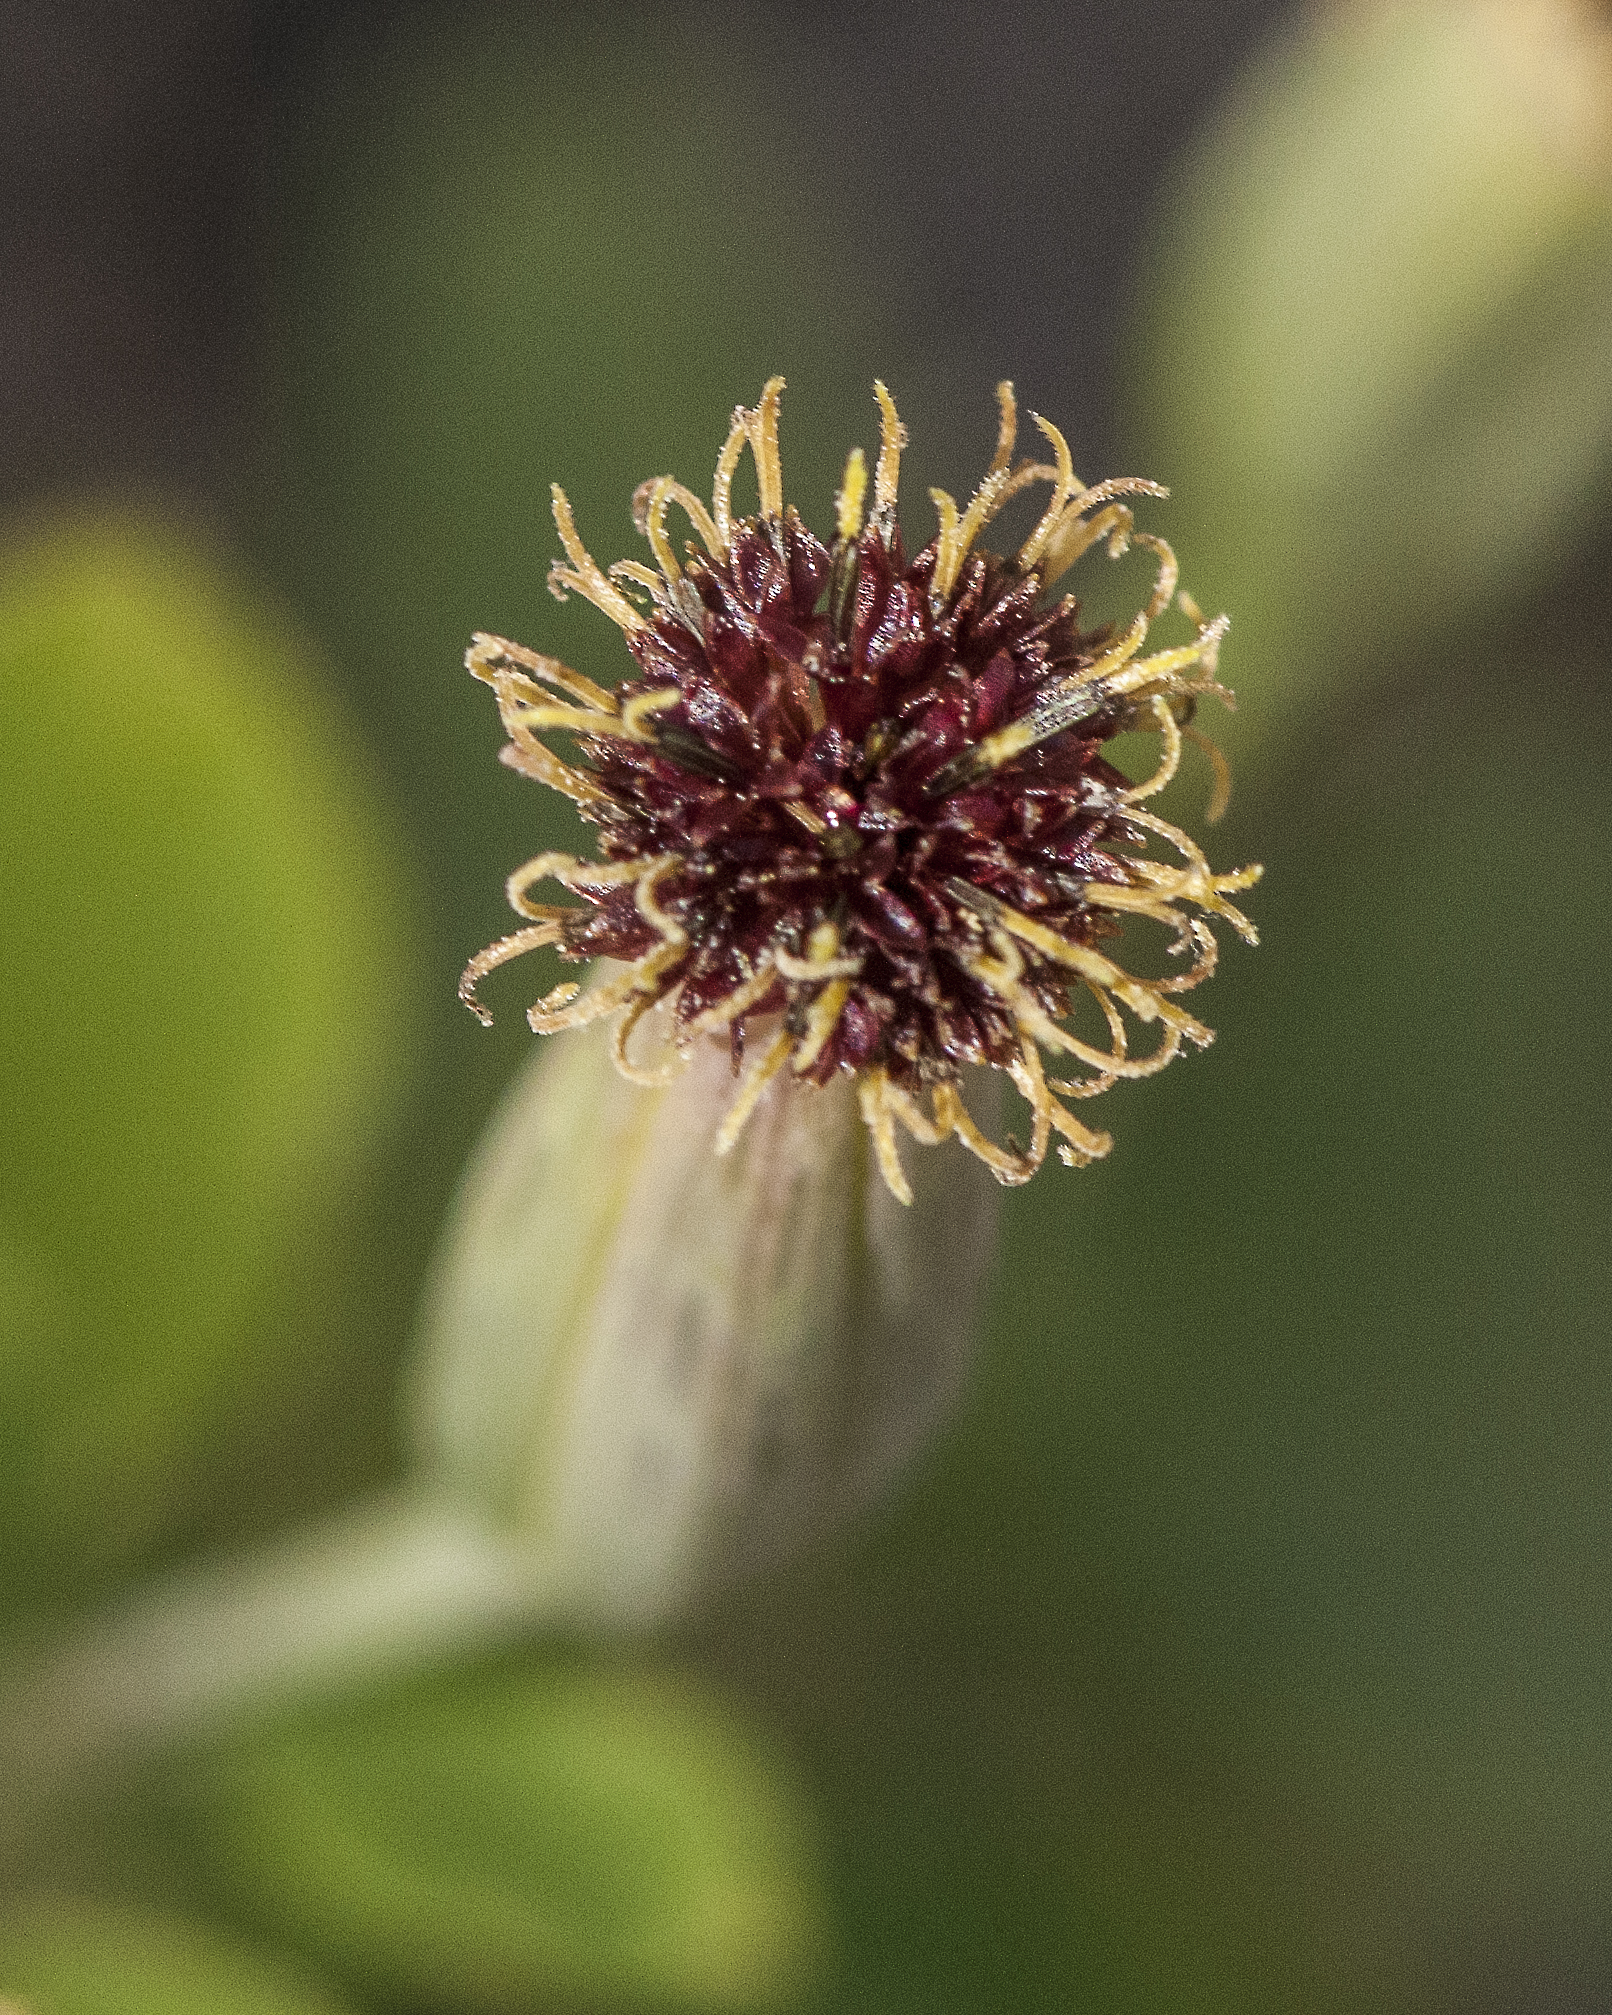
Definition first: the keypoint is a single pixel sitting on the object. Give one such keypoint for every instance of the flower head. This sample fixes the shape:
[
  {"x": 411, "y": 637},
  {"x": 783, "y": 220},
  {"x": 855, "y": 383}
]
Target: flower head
[{"x": 854, "y": 810}]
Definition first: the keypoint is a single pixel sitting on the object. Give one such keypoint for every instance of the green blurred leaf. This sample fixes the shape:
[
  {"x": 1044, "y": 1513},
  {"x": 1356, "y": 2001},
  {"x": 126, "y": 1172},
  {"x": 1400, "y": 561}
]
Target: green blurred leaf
[
  {"x": 60, "y": 1958},
  {"x": 202, "y": 1008},
  {"x": 542, "y": 1839},
  {"x": 1373, "y": 352}
]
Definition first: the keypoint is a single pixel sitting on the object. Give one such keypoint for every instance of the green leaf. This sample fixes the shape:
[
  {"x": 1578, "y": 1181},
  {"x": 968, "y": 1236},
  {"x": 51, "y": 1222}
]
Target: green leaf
[
  {"x": 61, "y": 1958},
  {"x": 204, "y": 993},
  {"x": 537, "y": 1839}
]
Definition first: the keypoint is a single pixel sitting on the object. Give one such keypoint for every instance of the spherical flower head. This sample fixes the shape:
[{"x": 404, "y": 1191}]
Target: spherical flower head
[{"x": 854, "y": 812}]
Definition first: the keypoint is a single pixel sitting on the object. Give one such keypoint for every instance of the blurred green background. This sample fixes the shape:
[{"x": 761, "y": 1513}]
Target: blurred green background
[{"x": 1247, "y": 1645}]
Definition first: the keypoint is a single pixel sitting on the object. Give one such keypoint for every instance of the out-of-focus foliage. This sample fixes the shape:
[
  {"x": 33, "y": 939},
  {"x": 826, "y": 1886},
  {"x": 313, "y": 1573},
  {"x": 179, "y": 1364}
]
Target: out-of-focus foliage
[
  {"x": 516, "y": 254},
  {"x": 1374, "y": 343},
  {"x": 552, "y": 1837},
  {"x": 62, "y": 1958},
  {"x": 205, "y": 1004}
]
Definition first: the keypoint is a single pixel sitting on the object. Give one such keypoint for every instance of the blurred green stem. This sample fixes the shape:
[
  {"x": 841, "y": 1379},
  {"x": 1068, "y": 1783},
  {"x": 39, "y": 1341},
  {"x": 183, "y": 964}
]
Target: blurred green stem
[{"x": 394, "y": 1581}]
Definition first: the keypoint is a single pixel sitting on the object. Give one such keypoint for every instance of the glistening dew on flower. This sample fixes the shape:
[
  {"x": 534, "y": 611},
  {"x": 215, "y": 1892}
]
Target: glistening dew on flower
[{"x": 854, "y": 814}]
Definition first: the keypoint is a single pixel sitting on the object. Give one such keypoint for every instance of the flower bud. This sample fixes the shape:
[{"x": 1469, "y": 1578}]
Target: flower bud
[
  {"x": 1374, "y": 355},
  {"x": 664, "y": 1367}
]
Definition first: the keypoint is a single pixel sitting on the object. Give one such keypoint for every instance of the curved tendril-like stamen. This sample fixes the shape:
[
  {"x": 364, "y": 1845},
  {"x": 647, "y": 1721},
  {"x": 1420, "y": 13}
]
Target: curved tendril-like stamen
[
  {"x": 822, "y": 1018},
  {"x": 1168, "y": 578},
  {"x": 848, "y": 503},
  {"x": 813, "y": 970},
  {"x": 1170, "y": 760},
  {"x": 633, "y": 714},
  {"x": 571, "y": 873},
  {"x": 1207, "y": 948},
  {"x": 1031, "y": 1079},
  {"x": 524, "y": 752},
  {"x": 490, "y": 656},
  {"x": 925, "y": 1131},
  {"x": 1076, "y": 534},
  {"x": 670, "y": 491},
  {"x": 759, "y": 1076},
  {"x": 660, "y": 495},
  {"x": 1022, "y": 477},
  {"x": 585, "y": 574},
  {"x": 1007, "y": 431},
  {"x": 873, "y": 1095},
  {"x": 1002, "y": 977},
  {"x": 949, "y": 549},
  {"x": 727, "y": 464},
  {"x": 494, "y": 955},
  {"x": 1010, "y": 1166},
  {"x": 1220, "y": 795},
  {"x": 761, "y": 428},
  {"x": 1064, "y": 486},
  {"x": 640, "y": 576},
  {"x": 650, "y": 1075},
  {"x": 743, "y": 997},
  {"x": 887, "y": 473}
]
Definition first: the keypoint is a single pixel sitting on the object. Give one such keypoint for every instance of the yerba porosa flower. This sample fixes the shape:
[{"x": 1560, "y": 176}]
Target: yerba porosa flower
[{"x": 854, "y": 812}]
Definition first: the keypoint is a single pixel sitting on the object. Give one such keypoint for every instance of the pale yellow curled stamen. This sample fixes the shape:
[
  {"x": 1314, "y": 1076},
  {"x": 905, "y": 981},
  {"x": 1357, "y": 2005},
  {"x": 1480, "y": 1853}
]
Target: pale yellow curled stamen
[
  {"x": 1081, "y": 1144},
  {"x": 534, "y": 710},
  {"x": 1031, "y": 1079},
  {"x": 1007, "y": 1166},
  {"x": 649, "y": 1075},
  {"x": 568, "y": 1007},
  {"x": 743, "y": 997},
  {"x": 585, "y": 574},
  {"x": 648, "y": 907},
  {"x": 1091, "y": 965},
  {"x": 1185, "y": 845},
  {"x": 1090, "y": 1087},
  {"x": 489, "y": 656},
  {"x": 568, "y": 871},
  {"x": 924, "y": 1130},
  {"x": 1023, "y": 477},
  {"x": 762, "y": 426},
  {"x": 554, "y": 1013},
  {"x": 660, "y": 545},
  {"x": 1116, "y": 486},
  {"x": 532, "y": 758},
  {"x": 1206, "y": 947},
  {"x": 949, "y": 550},
  {"x": 1064, "y": 486},
  {"x": 640, "y": 576},
  {"x": 1169, "y": 574},
  {"x": 759, "y": 1077},
  {"x": 872, "y": 1091},
  {"x": 1007, "y": 430},
  {"x": 1076, "y": 534},
  {"x": 511, "y": 947},
  {"x": 853, "y": 489},
  {"x": 822, "y": 961},
  {"x": 1002, "y": 977},
  {"x": 1045, "y": 1030},
  {"x": 637, "y": 710},
  {"x": 822, "y": 1018},
  {"x": 887, "y": 473},
  {"x": 1220, "y": 795},
  {"x": 1169, "y": 761},
  {"x": 696, "y": 513},
  {"x": 727, "y": 464}
]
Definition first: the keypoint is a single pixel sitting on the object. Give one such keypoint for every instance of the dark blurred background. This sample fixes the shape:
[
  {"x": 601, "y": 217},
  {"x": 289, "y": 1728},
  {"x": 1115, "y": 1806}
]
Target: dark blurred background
[{"x": 1246, "y": 1645}]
